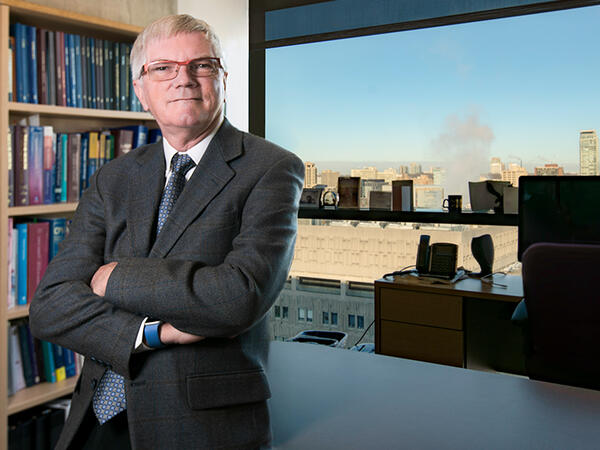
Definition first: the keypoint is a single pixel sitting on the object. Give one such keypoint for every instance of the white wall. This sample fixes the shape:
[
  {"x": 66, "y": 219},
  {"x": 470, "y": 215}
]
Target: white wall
[{"x": 229, "y": 18}]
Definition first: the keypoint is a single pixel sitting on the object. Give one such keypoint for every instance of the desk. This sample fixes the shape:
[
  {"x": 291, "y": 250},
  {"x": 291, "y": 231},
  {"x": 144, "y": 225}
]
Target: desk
[
  {"x": 326, "y": 398},
  {"x": 448, "y": 323}
]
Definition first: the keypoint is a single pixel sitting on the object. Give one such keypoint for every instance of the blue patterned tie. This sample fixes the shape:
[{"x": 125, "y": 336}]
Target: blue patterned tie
[
  {"x": 109, "y": 399},
  {"x": 180, "y": 164}
]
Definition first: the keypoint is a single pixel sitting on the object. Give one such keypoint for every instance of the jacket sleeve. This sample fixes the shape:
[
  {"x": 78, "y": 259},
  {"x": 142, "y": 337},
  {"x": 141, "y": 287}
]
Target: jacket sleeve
[
  {"x": 226, "y": 299},
  {"x": 64, "y": 309}
]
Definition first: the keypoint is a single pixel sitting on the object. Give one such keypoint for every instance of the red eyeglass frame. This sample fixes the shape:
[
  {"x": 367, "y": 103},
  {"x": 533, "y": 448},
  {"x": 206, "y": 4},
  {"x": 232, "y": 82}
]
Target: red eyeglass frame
[{"x": 179, "y": 63}]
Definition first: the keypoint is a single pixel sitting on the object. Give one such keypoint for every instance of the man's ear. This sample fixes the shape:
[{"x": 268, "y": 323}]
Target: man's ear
[
  {"x": 225, "y": 84},
  {"x": 138, "y": 87}
]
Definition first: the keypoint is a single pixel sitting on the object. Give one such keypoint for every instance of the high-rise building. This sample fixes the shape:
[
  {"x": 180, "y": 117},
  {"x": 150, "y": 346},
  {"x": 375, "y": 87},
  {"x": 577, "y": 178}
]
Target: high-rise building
[
  {"x": 330, "y": 178},
  {"x": 439, "y": 176},
  {"x": 415, "y": 169},
  {"x": 549, "y": 169},
  {"x": 496, "y": 165},
  {"x": 310, "y": 174},
  {"x": 365, "y": 172},
  {"x": 588, "y": 152},
  {"x": 513, "y": 173}
]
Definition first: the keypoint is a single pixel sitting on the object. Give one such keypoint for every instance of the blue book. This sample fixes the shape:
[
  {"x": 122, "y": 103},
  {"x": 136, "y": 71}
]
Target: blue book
[
  {"x": 77, "y": 64},
  {"x": 22, "y": 264},
  {"x": 73, "y": 68},
  {"x": 58, "y": 231},
  {"x": 21, "y": 62},
  {"x": 68, "y": 80},
  {"x": 69, "y": 357},
  {"x": 26, "y": 356},
  {"x": 154, "y": 135},
  {"x": 140, "y": 134},
  {"x": 49, "y": 368},
  {"x": 59, "y": 362},
  {"x": 32, "y": 67},
  {"x": 83, "y": 179},
  {"x": 92, "y": 72},
  {"x": 36, "y": 165}
]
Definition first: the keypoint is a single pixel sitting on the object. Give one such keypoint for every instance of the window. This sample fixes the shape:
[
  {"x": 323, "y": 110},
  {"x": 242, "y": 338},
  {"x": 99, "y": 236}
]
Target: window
[
  {"x": 334, "y": 318},
  {"x": 325, "y": 318},
  {"x": 351, "y": 321},
  {"x": 277, "y": 311},
  {"x": 360, "y": 322},
  {"x": 309, "y": 315},
  {"x": 284, "y": 311},
  {"x": 301, "y": 313}
]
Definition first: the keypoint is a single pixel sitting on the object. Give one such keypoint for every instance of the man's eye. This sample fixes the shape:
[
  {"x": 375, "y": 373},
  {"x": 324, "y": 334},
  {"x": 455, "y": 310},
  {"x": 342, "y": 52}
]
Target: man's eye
[
  {"x": 200, "y": 66},
  {"x": 160, "y": 68}
]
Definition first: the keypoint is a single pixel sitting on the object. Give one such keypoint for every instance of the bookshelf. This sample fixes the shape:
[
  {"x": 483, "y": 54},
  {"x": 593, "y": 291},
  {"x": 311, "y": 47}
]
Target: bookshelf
[{"x": 64, "y": 119}]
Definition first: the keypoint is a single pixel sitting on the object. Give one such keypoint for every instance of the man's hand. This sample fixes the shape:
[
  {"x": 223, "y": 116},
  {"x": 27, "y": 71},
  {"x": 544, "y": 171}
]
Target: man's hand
[
  {"x": 100, "y": 278},
  {"x": 168, "y": 334}
]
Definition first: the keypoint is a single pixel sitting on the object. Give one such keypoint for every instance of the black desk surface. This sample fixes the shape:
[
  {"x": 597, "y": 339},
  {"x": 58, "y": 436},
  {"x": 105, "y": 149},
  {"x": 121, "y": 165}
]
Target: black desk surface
[{"x": 326, "y": 398}]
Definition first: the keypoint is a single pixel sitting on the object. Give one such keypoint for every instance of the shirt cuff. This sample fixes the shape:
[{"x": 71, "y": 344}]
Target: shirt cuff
[{"x": 139, "y": 340}]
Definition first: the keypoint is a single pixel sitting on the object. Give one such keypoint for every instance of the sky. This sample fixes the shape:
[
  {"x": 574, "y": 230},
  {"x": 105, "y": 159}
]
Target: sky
[{"x": 519, "y": 88}]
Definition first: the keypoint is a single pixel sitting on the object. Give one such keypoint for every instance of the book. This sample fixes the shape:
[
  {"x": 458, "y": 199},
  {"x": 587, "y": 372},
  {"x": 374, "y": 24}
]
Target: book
[
  {"x": 49, "y": 368},
  {"x": 21, "y": 264},
  {"x": 93, "y": 153},
  {"x": 67, "y": 74},
  {"x": 41, "y": 59},
  {"x": 84, "y": 70},
  {"x": 21, "y": 59},
  {"x": 57, "y": 230},
  {"x": 123, "y": 76},
  {"x": 61, "y": 87},
  {"x": 83, "y": 166},
  {"x": 99, "y": 74},
  {"x": 15, "y": 369},
  {"x": 20, "y": 162},
  {"x": 49, "y": 164},
  {"x": 11, "y": 293},
  {"x": 59, "y": 362},
  {"x": 51, "y": 67},
  {"x": 38, "y": 241},
  {"x": 32, "y": 64},
  {"x": 77, "y": 64},
  {"x": 10, "y": 165},
  {"x": 92, "y": 72},
  {"x": 73, "y": 167},
  {"x": 35, "y": 174},
  {"x": 154, "y": 135},
  {"x": 26, "y": 354},
  {"x": 69, "y": 356},
  {"x": 60, "y": 183},
  {"x": 123, "y": 141},
  {"x": 140, "y": 134},
  {"x": 12, "y": 91}
]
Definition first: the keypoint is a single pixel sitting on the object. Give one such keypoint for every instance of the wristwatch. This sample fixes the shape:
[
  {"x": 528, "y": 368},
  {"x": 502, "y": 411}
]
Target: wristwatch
[{"x": 151, "y": 335}]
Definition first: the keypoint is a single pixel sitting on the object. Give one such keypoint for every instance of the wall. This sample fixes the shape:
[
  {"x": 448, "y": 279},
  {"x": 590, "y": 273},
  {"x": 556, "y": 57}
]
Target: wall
[
  {"x": 135, "y": 12},
  {"x": 229, "y": 18}
]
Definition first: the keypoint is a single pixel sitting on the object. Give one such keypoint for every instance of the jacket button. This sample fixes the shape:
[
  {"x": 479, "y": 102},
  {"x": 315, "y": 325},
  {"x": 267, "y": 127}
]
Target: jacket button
[{"x": 94, "y": 383}]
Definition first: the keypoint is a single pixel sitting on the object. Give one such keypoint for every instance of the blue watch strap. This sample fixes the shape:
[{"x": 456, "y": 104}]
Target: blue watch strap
[{"x": 151, "y": 334}]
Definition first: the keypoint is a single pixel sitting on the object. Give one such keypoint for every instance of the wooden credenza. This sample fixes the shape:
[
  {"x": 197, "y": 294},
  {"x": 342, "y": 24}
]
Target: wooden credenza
[{"x": 428, "y": 322}]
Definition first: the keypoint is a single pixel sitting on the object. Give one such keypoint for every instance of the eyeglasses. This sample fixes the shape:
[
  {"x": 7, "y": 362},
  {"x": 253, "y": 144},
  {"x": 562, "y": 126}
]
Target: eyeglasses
[{"x": 167, "y": 70}]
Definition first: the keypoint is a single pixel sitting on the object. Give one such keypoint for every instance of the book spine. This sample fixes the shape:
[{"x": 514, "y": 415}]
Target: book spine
[
  {"x": 117, "y": 69},
  {"x": 59, "y": 362},
  {"x": 61, "y": 82},
  {"x": 32, "y": 63},
  {"x": 15, "y": 360},
  {"x": 49, "y": 368},
  {"x": 77, "y": 65},
  {"x": 123, "y": 73},
  {"x": 64, "y": 149},
  {"x": 11, "y": 168},
  {"x": 58, "y": 168},
  {"x": 37, "y": 255},
  {"x": 69, "y": 363},
  {"x": 21, "y": 185},
  {"x": 22, "y": 264},
  {"x": 26, "y": 356},
  {"x": 127, "y": 78},
  {"x": 36, "y": 165},
  {"x": 83, "y": 172},
  {"x": 84, "y": 74},
  {"x": 106, "y": 67},
  {"x": 73, "y": 167},
  {"x": 92, "y": 65},
  {"x": 67, "y": 74},
  {"x": 21, "y": 60},
  {"x": 51, "y": 67},
  {"x": 93, "y": 153},
  {"x": 57, "y": 231},
  {"x": 41, "y": 58},
  {"x": 49, "y": 161},
  {"x": 11, "y": 300},
  {"x": 100, "y": 73}
]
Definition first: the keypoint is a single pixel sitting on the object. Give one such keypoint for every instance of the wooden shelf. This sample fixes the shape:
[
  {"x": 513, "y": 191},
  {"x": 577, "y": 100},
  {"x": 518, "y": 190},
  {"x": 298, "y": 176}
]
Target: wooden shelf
[
  {"x": 39, "y": 394},
  {"x": 68, "y": 111},
  {"x": 41, "y": 210},
  {"x": 17, "y": 312}
]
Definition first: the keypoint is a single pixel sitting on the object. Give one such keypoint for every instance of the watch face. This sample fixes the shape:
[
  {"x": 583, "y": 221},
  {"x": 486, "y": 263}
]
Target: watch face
[{"x": 330, "y": 198}]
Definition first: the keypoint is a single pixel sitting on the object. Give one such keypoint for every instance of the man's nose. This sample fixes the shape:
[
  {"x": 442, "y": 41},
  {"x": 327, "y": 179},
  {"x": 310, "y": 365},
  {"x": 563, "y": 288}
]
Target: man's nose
[{"x": 184, "y": 77}]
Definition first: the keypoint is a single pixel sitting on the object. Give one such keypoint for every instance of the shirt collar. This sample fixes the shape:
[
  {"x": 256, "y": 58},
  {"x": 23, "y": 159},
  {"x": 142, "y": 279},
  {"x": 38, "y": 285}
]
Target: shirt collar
[{"x": 196, "y": 152}]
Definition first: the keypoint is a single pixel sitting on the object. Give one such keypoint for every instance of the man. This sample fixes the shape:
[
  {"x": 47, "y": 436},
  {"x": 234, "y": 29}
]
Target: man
[{"x": 165, "y": 293}]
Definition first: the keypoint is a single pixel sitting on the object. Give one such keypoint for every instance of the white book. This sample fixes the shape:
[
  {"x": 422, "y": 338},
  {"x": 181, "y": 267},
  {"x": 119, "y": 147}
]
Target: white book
[{"x": 16, "y": 379}]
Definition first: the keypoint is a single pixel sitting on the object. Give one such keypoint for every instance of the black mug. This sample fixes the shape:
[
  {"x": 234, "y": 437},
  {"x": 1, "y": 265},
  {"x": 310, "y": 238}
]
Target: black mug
[{"x": 453, "y": 203}]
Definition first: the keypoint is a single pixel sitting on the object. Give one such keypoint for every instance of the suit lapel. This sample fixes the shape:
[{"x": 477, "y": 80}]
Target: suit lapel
[
  {"x": 145, "y": 189},
  {"x": 210, "y": 177}
]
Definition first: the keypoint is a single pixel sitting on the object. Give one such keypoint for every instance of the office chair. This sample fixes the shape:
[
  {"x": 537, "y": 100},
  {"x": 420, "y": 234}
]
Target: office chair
[{"x": 562, "y": 301}]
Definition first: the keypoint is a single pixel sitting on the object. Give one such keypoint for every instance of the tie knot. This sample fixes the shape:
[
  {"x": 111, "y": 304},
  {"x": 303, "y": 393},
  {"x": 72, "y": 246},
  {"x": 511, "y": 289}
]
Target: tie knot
[{"x": 181, "y": 163}]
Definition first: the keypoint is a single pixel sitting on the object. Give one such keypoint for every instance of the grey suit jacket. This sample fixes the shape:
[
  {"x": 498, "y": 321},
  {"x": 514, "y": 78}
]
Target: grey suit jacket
[{"x": 215, "y": 269}]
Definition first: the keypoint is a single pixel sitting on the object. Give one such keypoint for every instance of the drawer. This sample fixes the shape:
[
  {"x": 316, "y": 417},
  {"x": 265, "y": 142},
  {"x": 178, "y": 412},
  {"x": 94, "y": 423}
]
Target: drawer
[
  {"x": 421, "y": 308},
  {"x": 437, "y": 345}
]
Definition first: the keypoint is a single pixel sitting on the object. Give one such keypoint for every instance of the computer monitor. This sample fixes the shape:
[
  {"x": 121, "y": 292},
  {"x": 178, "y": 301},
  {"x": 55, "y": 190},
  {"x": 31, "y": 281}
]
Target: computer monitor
[{"x": 562, "y": 209}]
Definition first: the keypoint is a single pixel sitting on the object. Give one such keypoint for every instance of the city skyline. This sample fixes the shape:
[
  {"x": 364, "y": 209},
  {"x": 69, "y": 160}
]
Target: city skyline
[{"x": 513, "y": 88}]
